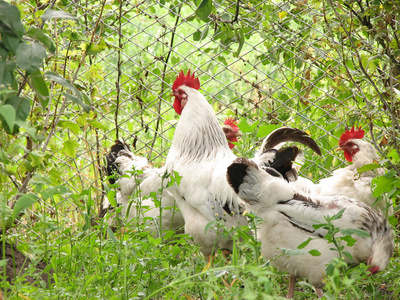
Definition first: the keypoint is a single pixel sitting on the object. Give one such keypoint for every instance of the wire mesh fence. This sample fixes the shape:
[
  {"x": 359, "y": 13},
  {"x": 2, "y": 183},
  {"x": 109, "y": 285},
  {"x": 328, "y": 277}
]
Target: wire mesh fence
[{"x": 319, "y": 66}]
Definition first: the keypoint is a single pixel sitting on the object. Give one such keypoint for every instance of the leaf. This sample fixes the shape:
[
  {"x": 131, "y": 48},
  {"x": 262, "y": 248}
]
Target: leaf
[
  {"x": 93, "y": 49},
  {"x": 40, "y": 36},
  {"x": 22, "y": 107},
  {"x": 30, "y": 56},
  {"x": 70, "y": 147},
  {"x": 348, "y": 255},
  {"x": 111, "y": 198},
  {"x": 314, "y": 252},
  {"x": 11, "y": 41},
  {"x": 63, "y": 82},
  {"x": 75, "y": 128},
  {"x": 302, "y": 245},
  {"x": 240, "y": 39},
  {"x": 349, "y": 240},
  {"x": 67, "y": 84},
  {"x": 10, "y": 17},
  {"x": 56, "y": 14},
  {"x": 282, "y": 15},
  {"x": 29, "y": 129},
  {"x": 246, "y": 127},
  {"x": 55, "y": 190},
  {"x": 78, "y": 101},
  {"x": 8, "y": 116},
  {"x": 204, "y": 9},
  {"x": 7, "y": 77},
  {"x": 40, "y": 87},
  {"x": 368, "y": 167},
  {"x": 24, "y": 202},
  {"x": 356, "y": 231},
  {"x": 383, "y": 185},
  {"x": 264, "y": 130},
  {"x": 111, "y": 235}
]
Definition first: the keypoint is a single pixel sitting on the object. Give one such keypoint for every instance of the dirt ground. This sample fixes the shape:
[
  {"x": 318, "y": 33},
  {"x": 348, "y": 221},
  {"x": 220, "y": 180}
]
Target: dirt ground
[{"x": 17, "y": 263}]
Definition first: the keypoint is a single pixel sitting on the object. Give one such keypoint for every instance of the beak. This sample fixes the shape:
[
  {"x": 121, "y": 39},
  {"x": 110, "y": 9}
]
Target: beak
[
  {"x": 238, "y": 134},
  {"x": 339, "y": 149}
]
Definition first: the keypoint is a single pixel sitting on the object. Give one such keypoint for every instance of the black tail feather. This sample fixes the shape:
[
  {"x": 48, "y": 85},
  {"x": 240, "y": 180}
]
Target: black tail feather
[
  {"x": 287, "y": 134},
  {"x": 112, "y": 169}
]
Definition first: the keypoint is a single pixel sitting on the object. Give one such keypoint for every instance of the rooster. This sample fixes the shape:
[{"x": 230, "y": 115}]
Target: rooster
[
  {"x": 200, "y": 154},
  {"x": 348, "y": 181},
  {"x": 288, "y": 217}
]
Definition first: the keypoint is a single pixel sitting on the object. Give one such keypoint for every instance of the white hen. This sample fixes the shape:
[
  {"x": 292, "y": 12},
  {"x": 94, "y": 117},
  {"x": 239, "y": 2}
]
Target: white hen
[{"x": 288, "y": 218}]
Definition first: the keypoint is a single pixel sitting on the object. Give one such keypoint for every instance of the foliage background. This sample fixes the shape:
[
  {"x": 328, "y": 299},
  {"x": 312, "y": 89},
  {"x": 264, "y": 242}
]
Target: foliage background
[{"x": 76, "y": 75}]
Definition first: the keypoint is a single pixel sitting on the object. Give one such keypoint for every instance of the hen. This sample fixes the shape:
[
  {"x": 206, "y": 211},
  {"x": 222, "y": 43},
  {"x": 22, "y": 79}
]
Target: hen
[
  {"x": 288, "y": 217},
  {"x": 348, "y": 181}
]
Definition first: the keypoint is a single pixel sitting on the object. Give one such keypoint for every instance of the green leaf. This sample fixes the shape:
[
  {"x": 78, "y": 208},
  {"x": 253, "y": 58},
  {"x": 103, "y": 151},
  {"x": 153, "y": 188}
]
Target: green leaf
[
  {"x": 24, "y": 202},
  {"x": 93, "y": 49},
  {"x": 204, "y": 9},
  {"x": 349, "y": 240},
  {"x": 75, "y": 128},
  {"x": 7, "y": 78},
  {"x": 63, "y": 82},
  {"x": 10, "y": 41},
  {"x": 22, "y": 107},
  {"x": 240, "y": 38},
  {"x": 30, "y": 56},
  {"x": 7, "y": 117},
  {"x": 111, "y": 235},
  {"x": 29, "y": 129},
  {"x": 265, "y": 130},
  {"x": 383, "y": 184},
  {"x": 70, "y": 147},
  {"x": 368, "y": 167},
  {"x": 348, "y": 255},
  {"x": 302, "y": 245},
  {"x": 314, "y": 252},
  {"x": 78, "y": 101},
  {"x": 356, "y": 231},
  {"x": 10, "y": 18},
  {"x": 55, "y": 190},
  {"x": 40, "y": 87},
  {"x": 111, "y": 198},
  {"x": 40, "y": 36},
  {"x": 204, "y": 33},
  {"x": 245, "y": 127},
  {"x": 56, "y": 14}
]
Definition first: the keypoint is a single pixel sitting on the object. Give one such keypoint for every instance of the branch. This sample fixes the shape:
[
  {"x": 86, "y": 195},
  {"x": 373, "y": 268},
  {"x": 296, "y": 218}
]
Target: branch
[{"x": 163, "y": 81}]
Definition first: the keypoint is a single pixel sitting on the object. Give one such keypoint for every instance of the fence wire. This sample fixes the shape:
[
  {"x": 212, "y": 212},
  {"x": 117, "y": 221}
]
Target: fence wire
[{"x": 276, "y": 62}]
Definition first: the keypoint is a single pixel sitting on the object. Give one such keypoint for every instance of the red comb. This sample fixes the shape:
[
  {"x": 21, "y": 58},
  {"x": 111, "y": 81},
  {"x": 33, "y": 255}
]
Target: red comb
[
  {"x": 351, "y": 134},
  {"x": 230, "y": 121},
  {"x": 188, "y": 80}
]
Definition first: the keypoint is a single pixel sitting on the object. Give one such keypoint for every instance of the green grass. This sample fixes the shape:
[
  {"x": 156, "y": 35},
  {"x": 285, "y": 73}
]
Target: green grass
[{"x": 94, "y": 263}]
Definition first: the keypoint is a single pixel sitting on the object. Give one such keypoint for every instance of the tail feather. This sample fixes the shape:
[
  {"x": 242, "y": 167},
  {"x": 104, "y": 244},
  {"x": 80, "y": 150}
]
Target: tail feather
[
  {"x": 287, "y": 134},
  {"x": 112, "y": 168}
]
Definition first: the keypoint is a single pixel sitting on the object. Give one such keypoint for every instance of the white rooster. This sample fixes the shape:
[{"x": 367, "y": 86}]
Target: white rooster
[
  {"x": 200, "y": 154},
  {"x": 288, "y": 217}
]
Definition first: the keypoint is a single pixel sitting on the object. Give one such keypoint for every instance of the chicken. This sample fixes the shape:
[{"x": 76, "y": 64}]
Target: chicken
[
  {"x": 348, "y": 181},
  {"x": 122, "y": 161},
  {"x": 231, "y": 131},
  {"x": 200, "y": 154},
  {"x": 288, "y": 217}
]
